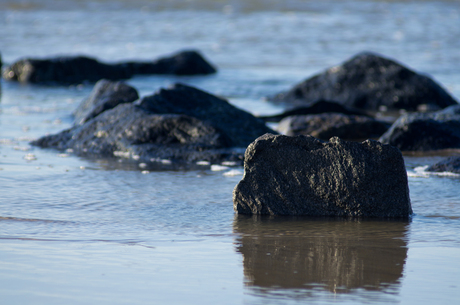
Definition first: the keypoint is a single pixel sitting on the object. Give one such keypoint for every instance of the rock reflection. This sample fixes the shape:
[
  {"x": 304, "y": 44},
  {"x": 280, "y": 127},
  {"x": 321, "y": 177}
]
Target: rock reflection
[{"x": 325, "y": 254}]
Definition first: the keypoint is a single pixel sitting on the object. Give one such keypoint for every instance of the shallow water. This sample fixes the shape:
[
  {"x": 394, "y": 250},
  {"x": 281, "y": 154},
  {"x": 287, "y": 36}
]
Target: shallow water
[{"x": 77, "y": 231}]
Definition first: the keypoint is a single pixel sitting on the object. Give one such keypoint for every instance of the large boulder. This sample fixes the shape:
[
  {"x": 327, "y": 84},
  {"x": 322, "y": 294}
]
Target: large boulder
[
  {"x": 369, "y": 81},
  {"x": 321, "y": 106},
  {"x": 451, "y": 164},
  {"x": 78, "y": 69},
  {"x": 304, "y": 176},
  {"x": 424, "y": 132},
  {"x": 105, "y": 95},
  {"x": 327, "y": 125},
  {"x": 192, "y": 126}
]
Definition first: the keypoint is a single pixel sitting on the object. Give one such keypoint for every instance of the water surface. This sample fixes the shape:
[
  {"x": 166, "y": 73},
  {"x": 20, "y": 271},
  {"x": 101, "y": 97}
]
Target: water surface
[{"x": 78, "y": 231}]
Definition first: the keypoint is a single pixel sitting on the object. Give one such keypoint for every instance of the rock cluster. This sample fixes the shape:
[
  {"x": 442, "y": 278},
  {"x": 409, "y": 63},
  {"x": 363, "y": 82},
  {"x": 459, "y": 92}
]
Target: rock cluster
[{"x": 181, "y": 124}]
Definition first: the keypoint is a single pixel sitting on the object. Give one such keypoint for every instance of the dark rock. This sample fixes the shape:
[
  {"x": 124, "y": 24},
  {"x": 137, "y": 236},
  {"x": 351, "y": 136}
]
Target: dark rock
[
  {"x": 105, "y": 95},
  {"x": 183, "y": 63},
  {"x": 63, "y": 70},
  {"x": 424, "y": 132},
  {"x": 451, "y": 164},
  {"x": 292, "y": 253},
  {"x": 205, "y": 128},
  {"x": 368, "y": 81},
  {"x": 305, "y": 176},
  {"x": 327, "y": 125},
  {"x": 79, "y": 69},
  {"x": 321, "y": 106},
  {"x": 241, "y": 127}
]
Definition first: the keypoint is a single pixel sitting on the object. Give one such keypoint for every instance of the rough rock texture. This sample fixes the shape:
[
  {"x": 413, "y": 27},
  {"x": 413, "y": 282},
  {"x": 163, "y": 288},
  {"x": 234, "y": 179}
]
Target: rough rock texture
[
  {"x": 368, "y": 81},
  {"x": 134, "y": 129},
  {"x": 451, "y": 164},
  {"x": 327, "y": 125},
  {"x": 78, "y": 69},
  {"x": 304, "y": 176},
  {"x": 321, "y": 106},
  {"x": 424, "y": 132},
  {"x": 105, "y": 95},
  {"x": 240, "y": 126}
]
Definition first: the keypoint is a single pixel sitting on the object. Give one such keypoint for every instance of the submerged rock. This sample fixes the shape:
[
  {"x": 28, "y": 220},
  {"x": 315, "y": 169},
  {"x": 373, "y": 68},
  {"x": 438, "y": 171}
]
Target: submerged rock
[
  {"x": 369, "y": 81},
  {"x": 451, "y": 164},
  {"x": 181, "y": 124},
  {"x": 321, "y": 106},
  {"x": 424, "y": 132},
  {"x": 105, "y": 95},
  {"x": 327, "y": 125},
  {"x": 304, "y": 176},
  {"x": 78, "y": 69}
]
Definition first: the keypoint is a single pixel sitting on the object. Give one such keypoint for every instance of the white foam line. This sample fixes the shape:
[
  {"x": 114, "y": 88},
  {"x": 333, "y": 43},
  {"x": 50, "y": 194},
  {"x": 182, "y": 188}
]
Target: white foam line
[{"x": 421, "y": 172}]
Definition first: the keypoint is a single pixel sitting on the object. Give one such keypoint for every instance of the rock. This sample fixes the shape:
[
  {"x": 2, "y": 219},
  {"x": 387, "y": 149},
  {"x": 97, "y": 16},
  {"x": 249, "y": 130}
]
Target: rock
[
  {"x": 63, "y": 70},
  {"x": 304, "y": 176},
  {"x": 369, "y": 81},
  {"x": 240, "y": 126},
  {"x": 105, "y": 95},
  {"x": 451, "y": 164},
  {"x": 182, "y": 63},
  {"x": 192, "y": 126},
  {"x": 424, "y": 132},
  {"x": 321, "y": 106},
  {"x": 327, "y": 125},
  {"x": 79, "y": 69}
]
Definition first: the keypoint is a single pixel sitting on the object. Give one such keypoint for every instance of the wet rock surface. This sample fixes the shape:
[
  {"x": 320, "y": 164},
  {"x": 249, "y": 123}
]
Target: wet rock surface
[
  {"x": 104, "y": 96},
  {"x": 424, "y": 132},
  {"x": 327, "y": 125},
  {"x": 192, "y": 126},
  {"x": 305, "y": 176},
  {"x": 451, "y": 164},
  {"x": 370, "y": 82},
  {"x": 321, "y": 106},
  {"x": 68, "y": 70}
]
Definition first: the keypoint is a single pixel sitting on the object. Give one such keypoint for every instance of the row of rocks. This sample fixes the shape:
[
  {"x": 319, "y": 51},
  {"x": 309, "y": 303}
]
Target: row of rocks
[
  {"x": 181, "y": 124},
  {"x": 284, "y": 175},
  {"x": 302, "y": 175},
  {"x": 78, "y": 69}
]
